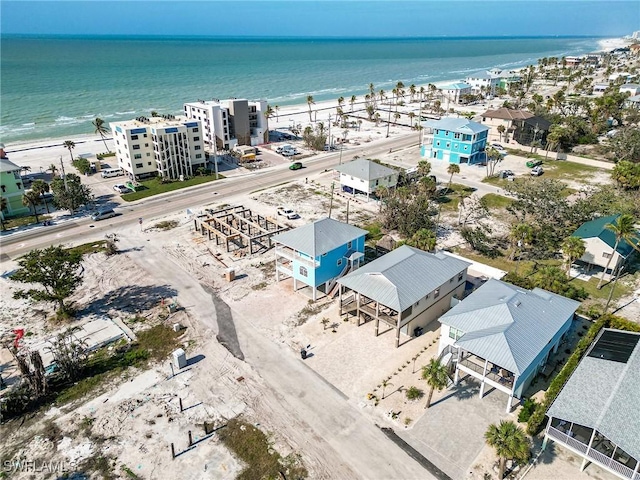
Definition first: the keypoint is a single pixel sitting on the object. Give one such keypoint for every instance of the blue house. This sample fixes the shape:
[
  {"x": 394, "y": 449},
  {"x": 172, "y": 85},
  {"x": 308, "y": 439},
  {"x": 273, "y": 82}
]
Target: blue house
[
  {"x": 504, "y": 335},
  {"x": 319, "y": 253},
  {"x": 454, "y": 140}
]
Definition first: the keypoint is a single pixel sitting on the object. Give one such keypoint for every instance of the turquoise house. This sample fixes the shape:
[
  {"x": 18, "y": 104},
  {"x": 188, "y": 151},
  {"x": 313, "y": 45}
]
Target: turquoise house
[
  {"x": 454, "y": 140},
  {"x": 317, "y": 254}
]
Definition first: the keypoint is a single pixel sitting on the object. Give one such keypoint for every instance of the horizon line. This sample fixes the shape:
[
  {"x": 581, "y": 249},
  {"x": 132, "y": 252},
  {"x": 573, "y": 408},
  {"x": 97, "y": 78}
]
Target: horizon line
[{"x": 291, "y": 37}]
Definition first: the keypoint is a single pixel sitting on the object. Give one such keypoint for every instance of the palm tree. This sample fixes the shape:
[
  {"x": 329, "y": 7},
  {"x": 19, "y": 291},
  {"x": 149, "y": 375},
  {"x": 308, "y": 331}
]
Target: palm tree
[
  {"x": 624, "y": 229},
  {"x": 509, "y": 441},
  {"x": 310, "y": 102},
  {"x": 573, "y": 248},
  {"x": 385, "y": 383},
  {"x": 31, "y": 199},
  {"x": 424, "y": 167},
  {"x": 69, "y": 145},
  {"x": 268, "y": 113},
  {"x": 424, "y": 239},
  {"x": 41, "y": 187},
  {"x": 352, "y": 101},
  {"x": 53, "y": 169},
  {"x": 101, "y": 130},
  {"x": 436, "y": 376},
  {"x": 452, "y": 169},
  {"x": 340, "y": 101},
  {"x": 501, "y": 129}
]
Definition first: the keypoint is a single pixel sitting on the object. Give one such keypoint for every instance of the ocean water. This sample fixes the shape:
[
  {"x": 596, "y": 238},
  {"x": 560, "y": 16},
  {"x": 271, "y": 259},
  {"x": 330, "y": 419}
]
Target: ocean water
[{"x": 53, "y": 87}]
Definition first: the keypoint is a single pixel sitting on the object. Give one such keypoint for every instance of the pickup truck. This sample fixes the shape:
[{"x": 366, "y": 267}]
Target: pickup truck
[{"x": 288, "y": 213}]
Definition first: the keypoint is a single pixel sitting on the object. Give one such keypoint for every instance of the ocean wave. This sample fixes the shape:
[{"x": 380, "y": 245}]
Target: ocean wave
[
  {"x": 30, "y": 124},
  {"x": 126, "y": 113}
]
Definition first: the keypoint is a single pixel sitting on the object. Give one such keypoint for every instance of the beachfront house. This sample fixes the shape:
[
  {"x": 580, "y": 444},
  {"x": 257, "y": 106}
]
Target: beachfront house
[
  {"x": 630, "y": 88},
  {"x": 633, "y": 102},
  {"x": 12, "y": 188},
  {"x": 599, "y": 88},
  {"x": 364, "y": 176},
  {"x": 484, "y": 82},
  {"x": 406, "y": 289},
  {"x": 595, "y": 415},
  {"x": 523, "y": 126},
  {"x": 503, "y": 335},
  {"x": 228, "y": 123},
  {"x": 456, "y": 92},
  {"x": 168, "y": 146},
  {"x": 454, "y": 140},
  {"x": 599, "y": 242},
  {"x": 318, "y": 253}
]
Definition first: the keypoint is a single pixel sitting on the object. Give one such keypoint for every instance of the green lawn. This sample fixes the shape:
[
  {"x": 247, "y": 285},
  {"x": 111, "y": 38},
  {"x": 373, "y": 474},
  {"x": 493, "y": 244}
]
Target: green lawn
[
  {"x": 494, "y": 201},
  {"x": 22, "y": 221},
  {"x": 450, "y": 200},
  {"x": 564, "y": 170},
  {"x": 154, "y": 187}
]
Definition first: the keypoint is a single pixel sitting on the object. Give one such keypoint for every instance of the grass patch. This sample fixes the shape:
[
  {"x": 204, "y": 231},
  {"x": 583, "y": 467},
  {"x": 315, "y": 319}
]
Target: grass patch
[
  {"x": 166, "y": 225},
  {"x": 89, "y": 248},
  {"x": 153, "y": 344},
  {"x": 154, "y": 187},
  {"x": 375, "y": 231},
  {"x": 493, "y": 201},
  {"x": 22, "y": 221},
  {"x": 591, "y": 287},
  {"x": 563, "y": 169},
  {"x": 259, "y": 286},
  {"x": 253, "y": 447},
  {"x": 308, "y": 311},
  {"x": 449, "y": 199}
]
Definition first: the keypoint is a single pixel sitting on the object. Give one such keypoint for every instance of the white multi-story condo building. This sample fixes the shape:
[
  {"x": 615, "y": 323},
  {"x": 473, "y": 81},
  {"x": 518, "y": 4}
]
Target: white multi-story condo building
[
  {"x": 172, "y": 147},
  {"x": 230, "y": 122}
]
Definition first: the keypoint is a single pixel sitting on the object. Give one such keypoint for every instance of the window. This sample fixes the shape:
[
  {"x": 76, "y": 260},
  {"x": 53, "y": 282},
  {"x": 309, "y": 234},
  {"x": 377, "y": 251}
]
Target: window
[
  {"x": 195, "y": 130},
  {"x": 339, "y": 262},
  {"x": 136, "y": 147},
  {"x": 197, "y": 147},
  {"x": 137, "y": 156},
  {"x": 4, "y": 188},
  {"x": 149, "y": 163},
  {"x": 349, "y": 244},
  {"x": 448, "y": 144},
  {"x": 145, "y": 135},
  {"x": 303, "y": 271},
  {"x": 196, "y": 138},
  {"x": 456, "y": 135},
  {"x": 606, "y": 255},
  {"x": 139, "y": 165},
  {"x": 198, "y": 155},
  {"x": 417, "y": 303},
  {"x": 455, "y": 333},
  {"x": 148, "y": 154},
  {"x": 146, "y": 144},
  {"x": 436, "y": 293},
  {"x": 451, "y": 280},
  {"x": 134, "y": 137},
  {"x": 19, "y": 185},
  {"x": 460, "y": 277},
  {"x": 438, "y": 143}
]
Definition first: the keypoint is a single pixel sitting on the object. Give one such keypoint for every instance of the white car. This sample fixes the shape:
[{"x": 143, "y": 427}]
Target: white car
[
  {"x": 537, "y": 171},
  {"x": 121, "y": 188},
  {"x": 287, "y": 212},
  {"x": 499, "y": 148}
]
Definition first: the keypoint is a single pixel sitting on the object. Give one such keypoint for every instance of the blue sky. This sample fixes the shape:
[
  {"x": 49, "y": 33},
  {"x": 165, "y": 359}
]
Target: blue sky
[{"x": 371, "y": 18}]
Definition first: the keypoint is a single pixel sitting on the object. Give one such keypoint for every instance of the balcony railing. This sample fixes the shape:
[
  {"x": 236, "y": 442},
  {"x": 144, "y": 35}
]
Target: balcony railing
[
  {"x": 291, "y": 254},
  {"x": 592, "y": 453},
  {"x": 501, "y": 380}
]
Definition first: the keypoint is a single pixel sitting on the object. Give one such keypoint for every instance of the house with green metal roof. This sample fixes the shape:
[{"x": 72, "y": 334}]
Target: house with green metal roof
[
  {"x": 12, "y": 188},
  {"x": 599, "y": 242}
]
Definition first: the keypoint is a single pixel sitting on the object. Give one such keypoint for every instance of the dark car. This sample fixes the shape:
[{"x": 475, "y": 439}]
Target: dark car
[{"x": 296, "y": 166}]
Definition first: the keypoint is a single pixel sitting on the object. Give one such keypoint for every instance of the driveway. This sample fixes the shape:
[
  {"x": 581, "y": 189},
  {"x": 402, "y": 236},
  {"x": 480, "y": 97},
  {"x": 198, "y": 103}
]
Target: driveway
[{"x": 451, "y": 432}]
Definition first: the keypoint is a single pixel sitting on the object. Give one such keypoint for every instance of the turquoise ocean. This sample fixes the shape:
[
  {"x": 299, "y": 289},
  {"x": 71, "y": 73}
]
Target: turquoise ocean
[{"x": 52, "y": 87}]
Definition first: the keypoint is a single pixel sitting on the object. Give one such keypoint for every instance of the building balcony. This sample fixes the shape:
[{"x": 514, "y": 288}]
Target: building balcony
[
  {"x": 602, "y": 451},
  {"x": 494, "y": 375},
  {"x": 291, "y": 254}
]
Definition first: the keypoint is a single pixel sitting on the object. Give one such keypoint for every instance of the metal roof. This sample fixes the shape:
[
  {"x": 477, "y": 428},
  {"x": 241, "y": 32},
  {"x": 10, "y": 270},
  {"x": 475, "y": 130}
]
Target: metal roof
[
  {"x": 7, "y": 166},
  {"x": 504, "y": 113},
  {"x": 319, "y": 237},
  {"x": 403, "y": 276},
  {"x": 365, "y": 169},
  {"x": 459, "y": 125},
  {"x": 598, "y": 228},
  {"x": 457, "y": 86},
  {"x": 482, "y": 75},
  {"x": 509, "y": 325},
  {"x": 604, "y": 394}
]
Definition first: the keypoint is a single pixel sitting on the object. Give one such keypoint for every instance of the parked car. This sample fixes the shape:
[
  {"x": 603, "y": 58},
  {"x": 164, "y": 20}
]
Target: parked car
[
  {"x": 103, "y": 214},
  {"x": 537, "y": 171},
  {"x": 121, "y": 188},
  {"x": 534, "y": 163},
  {"x": 287, "y": 212},
  {"x": 506, "y": 174},
  {"x": 499, "y": 148},
  {"x": 289, "y": 152},
  {"x": 296, "y": 166}
]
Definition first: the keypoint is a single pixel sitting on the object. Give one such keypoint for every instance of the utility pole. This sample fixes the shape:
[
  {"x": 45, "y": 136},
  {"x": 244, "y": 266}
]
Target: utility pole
[{"x": 333, "y": 184}]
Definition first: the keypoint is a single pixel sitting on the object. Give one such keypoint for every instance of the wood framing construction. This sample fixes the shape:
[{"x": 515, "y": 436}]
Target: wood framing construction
[{"x": 239, "y": 228}]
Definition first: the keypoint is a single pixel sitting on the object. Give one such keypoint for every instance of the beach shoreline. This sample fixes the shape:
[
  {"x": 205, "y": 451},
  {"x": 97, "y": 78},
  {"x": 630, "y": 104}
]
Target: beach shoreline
[{"x": 286, "y": 116}]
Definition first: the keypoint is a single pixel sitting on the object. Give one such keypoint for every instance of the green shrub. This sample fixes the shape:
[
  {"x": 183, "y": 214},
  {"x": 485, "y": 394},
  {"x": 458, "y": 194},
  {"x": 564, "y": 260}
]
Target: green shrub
[
  {"x": 414, "y": 393},
  {"x": 528, "y": 407}
]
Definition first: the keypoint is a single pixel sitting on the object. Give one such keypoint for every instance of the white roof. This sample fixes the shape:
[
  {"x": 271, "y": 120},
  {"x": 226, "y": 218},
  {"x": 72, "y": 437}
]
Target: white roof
[{"x": 365, "y": 169}]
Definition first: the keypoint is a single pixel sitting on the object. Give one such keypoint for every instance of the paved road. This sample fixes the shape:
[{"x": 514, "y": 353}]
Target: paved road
[{"x": 18, "y": 243}]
